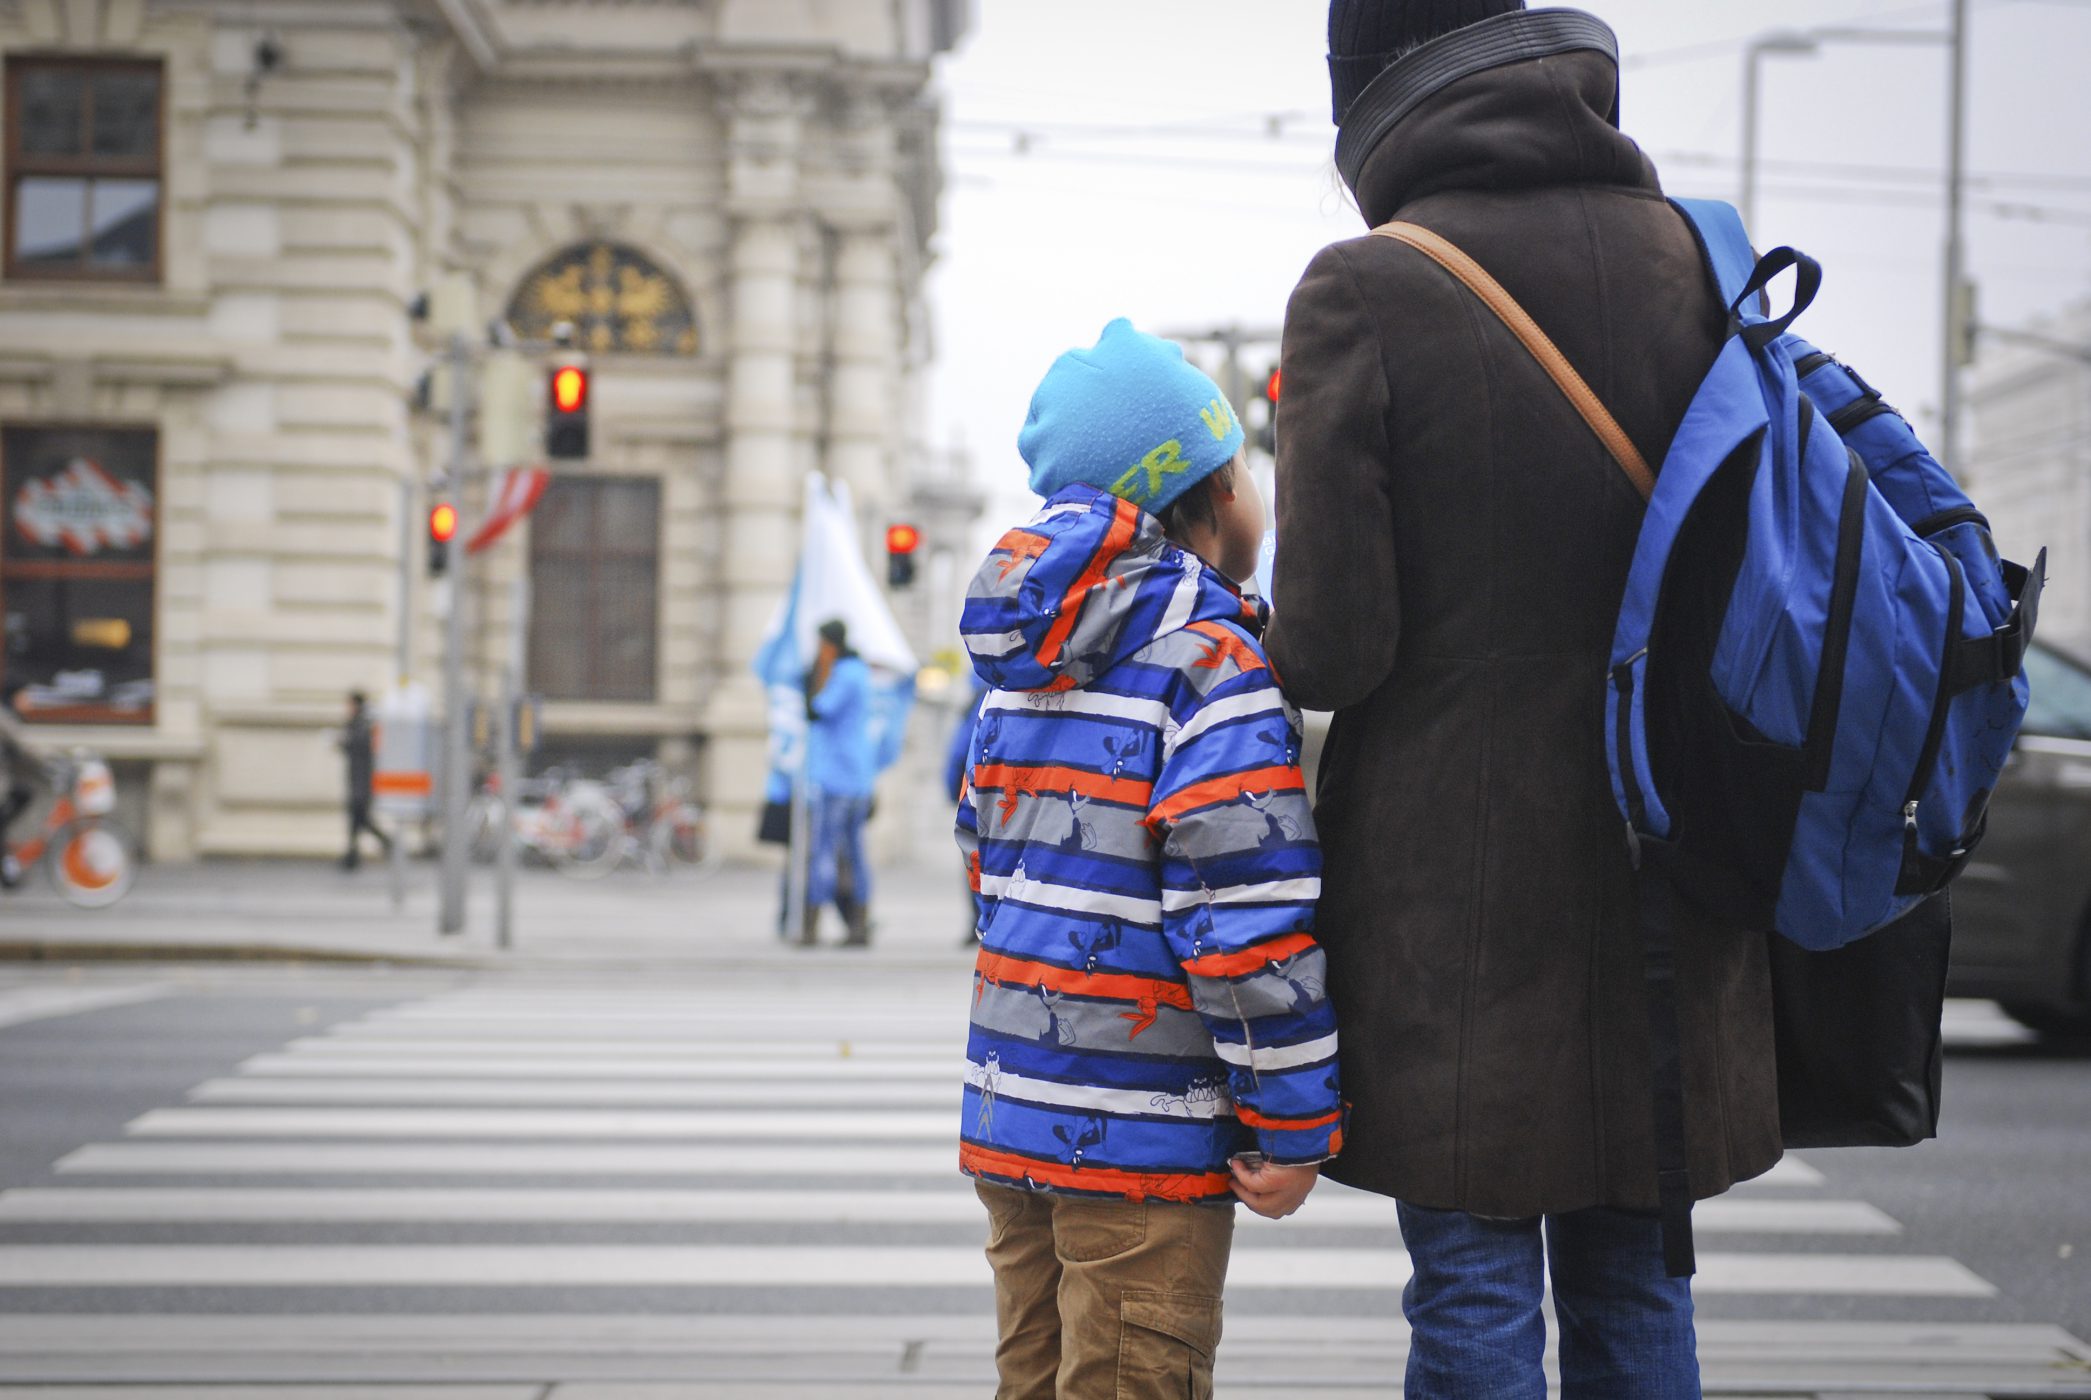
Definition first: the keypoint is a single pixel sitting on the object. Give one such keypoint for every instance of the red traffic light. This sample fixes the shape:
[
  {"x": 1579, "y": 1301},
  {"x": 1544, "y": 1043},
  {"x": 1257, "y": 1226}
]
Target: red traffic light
[
  {"x": 442, "y": 522},
  {"x": 569, "y": 389},
  {"x": 1272, "y": 384},
  {"x": 902, "y": 539}
]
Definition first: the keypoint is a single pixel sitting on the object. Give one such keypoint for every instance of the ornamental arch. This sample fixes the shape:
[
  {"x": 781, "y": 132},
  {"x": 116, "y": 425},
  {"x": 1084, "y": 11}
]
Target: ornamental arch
[{"x": 618, "y": 300}]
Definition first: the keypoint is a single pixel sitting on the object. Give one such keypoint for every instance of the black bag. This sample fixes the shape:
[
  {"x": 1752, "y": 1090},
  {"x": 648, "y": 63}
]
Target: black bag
[
  {"x": 775, "y": 827},
  {"x": 1857, "y": 1037},
  {"x": 1860, "y": 1051}
]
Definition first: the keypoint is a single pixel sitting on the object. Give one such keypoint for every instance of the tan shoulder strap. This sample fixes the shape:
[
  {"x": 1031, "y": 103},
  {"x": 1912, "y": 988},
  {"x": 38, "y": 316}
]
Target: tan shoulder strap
[{"x": 1448, "y": 256}]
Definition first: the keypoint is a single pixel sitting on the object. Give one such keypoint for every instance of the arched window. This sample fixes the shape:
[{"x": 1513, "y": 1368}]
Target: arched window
[{"x": 616, "y": 298}]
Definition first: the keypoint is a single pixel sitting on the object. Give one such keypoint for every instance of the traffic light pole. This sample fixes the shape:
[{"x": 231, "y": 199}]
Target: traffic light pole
[
  {"x": 1955, "y": 328},
  {"x": 457, "y": 758},
  {"x": 506, "y": 761}
]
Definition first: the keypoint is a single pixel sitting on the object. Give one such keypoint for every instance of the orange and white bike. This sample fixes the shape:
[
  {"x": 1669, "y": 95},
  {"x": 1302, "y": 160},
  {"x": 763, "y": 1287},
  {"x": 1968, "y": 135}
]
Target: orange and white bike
[{"x": 91, "y": 858}]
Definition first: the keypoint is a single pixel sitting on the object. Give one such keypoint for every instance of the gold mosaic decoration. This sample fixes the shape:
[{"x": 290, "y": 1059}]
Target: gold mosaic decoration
[{"x": 616, "y": 299}]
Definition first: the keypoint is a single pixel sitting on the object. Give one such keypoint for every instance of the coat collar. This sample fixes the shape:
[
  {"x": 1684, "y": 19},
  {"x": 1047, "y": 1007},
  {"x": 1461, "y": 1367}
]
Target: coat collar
[{"x": 1525, "y": 100}]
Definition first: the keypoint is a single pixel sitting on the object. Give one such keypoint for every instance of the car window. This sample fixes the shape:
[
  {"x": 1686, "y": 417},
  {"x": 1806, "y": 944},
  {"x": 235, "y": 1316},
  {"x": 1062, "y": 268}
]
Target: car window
[{"x": 2061, "y": 705}]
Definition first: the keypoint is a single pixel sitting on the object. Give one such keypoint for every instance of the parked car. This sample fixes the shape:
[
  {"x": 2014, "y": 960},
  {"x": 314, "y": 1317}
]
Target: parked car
[{"x": 2022, "y": 908}]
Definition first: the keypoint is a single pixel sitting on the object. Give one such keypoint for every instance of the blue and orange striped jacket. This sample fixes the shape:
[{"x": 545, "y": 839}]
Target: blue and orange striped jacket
[{"x": 1148, "y": 997}]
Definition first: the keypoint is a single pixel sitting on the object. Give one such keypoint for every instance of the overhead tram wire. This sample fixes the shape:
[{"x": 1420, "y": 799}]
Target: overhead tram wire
[
  {"x": 1915, "y": 197},
  {"x": 1044, "y": 144}
]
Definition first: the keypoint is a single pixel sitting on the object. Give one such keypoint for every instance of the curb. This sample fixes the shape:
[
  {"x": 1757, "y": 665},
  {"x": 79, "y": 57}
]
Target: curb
[
  {"x": 44, "y": 951},
  {"x": 33, "y": 951}
]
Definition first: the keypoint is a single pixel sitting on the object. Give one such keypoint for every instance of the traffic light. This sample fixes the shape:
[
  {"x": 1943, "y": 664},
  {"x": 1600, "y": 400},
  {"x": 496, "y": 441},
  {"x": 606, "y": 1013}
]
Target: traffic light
[
  {"x": 901, "y": 543},
  {"x": 566, "y": 413},
  {"x": 442, "y": 524},
  {"x": 1267, "y": 430}
]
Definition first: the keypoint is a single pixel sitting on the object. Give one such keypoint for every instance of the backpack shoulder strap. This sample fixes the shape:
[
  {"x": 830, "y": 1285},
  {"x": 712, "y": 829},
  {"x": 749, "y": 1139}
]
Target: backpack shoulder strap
[
  {"x": 1586, "y": 402},
  {"x": 1725, "y": 242}
]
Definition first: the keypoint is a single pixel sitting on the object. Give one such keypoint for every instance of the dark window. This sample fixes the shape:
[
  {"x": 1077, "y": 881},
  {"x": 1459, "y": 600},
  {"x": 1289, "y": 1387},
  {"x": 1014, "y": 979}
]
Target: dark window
[
  {"x": 2061, "y": 703},
  {"x": 77, "y": 552},
  {"x": 83, "y": 169},
  {"x": 595, "y": 568}
]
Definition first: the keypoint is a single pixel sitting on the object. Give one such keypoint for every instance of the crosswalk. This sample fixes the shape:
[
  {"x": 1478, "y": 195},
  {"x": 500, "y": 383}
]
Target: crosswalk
[{"x": 731, "y": 1190}]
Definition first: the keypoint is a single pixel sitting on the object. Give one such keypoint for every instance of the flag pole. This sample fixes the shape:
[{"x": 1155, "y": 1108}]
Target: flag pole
[{"x": 798, "y": 852}]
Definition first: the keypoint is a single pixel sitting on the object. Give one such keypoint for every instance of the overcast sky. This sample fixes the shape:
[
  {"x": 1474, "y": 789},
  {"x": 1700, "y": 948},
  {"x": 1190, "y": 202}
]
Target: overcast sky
[{"x": 1178, "y": 172}]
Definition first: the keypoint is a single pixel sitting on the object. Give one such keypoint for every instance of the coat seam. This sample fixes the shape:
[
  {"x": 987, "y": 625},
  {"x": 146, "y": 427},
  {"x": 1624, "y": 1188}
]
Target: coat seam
[
  {"x": 1720, "y": 1089},
  {"x": 1476, "y": 921},
  {"x": 1379, "y": 350},
  {"x": 1601, "y": 1178},
  {"x": 1603, "y": 302}
]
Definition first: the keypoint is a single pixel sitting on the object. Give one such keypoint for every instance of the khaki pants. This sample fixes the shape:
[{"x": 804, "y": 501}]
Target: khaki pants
[{"x": 1105, "y": 1300}]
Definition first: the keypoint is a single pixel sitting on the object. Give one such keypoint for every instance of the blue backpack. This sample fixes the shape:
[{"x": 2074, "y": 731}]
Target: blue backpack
[
  {"x": 1819, "y": 621},
  {"x": 1814, "y": 684}
]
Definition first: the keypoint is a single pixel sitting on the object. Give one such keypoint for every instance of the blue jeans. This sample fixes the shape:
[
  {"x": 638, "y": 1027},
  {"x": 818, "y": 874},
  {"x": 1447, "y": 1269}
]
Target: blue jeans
[
  {"x": 1477, "y": 1331},
  {"x": 838, "y": 835}
]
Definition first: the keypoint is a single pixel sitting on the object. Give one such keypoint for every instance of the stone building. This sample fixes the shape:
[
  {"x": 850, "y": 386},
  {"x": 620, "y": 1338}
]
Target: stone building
[
  {"x": 218, "y": 213},
  {"x": 2030, "y": 466}
]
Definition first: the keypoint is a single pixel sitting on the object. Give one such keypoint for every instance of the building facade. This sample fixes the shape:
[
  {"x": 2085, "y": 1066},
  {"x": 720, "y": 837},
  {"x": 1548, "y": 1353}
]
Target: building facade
[
  {"x": 2030, "y": 464},
  {"x": 218, "y": 216}
]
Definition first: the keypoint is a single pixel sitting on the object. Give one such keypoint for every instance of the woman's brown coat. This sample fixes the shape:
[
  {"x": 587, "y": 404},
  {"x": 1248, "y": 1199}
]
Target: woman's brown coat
[{"x": 1453, "y": 546}]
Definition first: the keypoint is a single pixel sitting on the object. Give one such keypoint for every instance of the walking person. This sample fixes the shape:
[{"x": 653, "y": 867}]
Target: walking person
[
  {"x": 841, "y": 771},
  {"x": 358, "y": 746},
  {"x": 956, "y": 766},
  {"x": 1150, "y": 1041},
  {"x": 1454, "y": 544},
  {"x": 21, "y": 774}
]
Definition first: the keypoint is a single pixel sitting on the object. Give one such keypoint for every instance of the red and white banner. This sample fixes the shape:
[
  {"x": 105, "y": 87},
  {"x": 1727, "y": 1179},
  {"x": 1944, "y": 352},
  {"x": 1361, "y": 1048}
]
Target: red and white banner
[
  {"x": 520, "y": 490},
  {"x": 84, "y": 509}
]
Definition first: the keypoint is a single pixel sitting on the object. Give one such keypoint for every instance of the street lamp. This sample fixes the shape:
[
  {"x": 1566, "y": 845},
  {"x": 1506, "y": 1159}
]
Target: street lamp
[
  {"x": 1811, "y": 41},
  {"x": 1785, "y": 41}
]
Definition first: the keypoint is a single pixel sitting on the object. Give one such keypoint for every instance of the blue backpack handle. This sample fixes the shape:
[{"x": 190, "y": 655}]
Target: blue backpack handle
[{"x": 1741, "y": 274}]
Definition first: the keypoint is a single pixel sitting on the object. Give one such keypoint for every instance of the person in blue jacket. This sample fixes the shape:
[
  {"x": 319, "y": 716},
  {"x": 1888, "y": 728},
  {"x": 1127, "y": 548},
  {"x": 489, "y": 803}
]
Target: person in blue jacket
[
  {"x": 955, "y": 777},
  {"x": 841, "y": 769}
]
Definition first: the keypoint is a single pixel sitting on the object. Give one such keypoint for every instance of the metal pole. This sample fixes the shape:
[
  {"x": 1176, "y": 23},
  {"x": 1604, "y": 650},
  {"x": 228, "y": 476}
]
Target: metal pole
[
  {"x": 1753, "y": 77},
  {"x": 507, "y": 765},
  {"x": 396, "y": 863},
  {"x": 396, "y": 857},
  {"x": 1231, "y": 341},
  {"x": 457, "y": 761},
  {"x": 799, "y": 853},
  {"x": 404, "y": 662},
  {"x": 1956, "y": 251}
]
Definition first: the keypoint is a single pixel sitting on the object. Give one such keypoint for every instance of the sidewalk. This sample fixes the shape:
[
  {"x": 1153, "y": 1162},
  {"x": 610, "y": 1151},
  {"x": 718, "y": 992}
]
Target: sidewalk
[{"x": 305, "y": 909}]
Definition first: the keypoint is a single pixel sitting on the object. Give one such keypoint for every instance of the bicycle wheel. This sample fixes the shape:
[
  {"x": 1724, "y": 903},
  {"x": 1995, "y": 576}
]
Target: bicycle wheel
[
  {"x": 93, "y": 862},
  {"x": 683, "y": 835},
  {"x": 588, "y": 840}
]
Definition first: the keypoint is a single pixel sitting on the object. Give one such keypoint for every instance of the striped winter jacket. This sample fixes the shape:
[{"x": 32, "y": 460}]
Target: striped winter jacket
[{"x": 1148, "y": 998}]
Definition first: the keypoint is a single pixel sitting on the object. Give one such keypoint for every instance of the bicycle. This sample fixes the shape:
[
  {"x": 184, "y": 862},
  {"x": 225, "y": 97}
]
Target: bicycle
[
  {"x": 90, "y": 857},
  {"x": 654, "y": 823},
  {"x": 570, "y": 825}
]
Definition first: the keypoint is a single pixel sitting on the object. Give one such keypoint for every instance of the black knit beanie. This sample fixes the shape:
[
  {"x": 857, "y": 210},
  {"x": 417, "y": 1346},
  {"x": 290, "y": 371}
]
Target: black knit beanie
[{"x": 1367, "y": 35}]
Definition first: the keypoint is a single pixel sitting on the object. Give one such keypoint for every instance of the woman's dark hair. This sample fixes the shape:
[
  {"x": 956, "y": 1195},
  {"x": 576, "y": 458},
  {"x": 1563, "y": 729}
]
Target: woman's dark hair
[{"x": 1195, "y": 506}]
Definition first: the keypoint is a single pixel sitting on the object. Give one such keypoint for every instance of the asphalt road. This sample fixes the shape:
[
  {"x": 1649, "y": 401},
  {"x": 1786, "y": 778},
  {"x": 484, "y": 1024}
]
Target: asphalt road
[{"x": 517, "y": 1179}]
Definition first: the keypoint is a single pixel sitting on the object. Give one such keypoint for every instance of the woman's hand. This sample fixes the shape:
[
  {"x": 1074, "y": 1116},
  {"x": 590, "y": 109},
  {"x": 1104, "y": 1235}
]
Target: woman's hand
[{"x": 1272, "y": 1191}]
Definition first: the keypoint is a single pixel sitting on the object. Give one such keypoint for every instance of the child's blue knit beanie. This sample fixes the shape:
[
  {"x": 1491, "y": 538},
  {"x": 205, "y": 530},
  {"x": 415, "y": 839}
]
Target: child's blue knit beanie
[{"x": 1129, "y": 416}]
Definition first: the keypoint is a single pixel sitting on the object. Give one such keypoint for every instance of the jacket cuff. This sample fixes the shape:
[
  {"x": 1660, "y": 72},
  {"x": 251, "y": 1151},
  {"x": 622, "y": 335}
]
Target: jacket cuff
[{"x": 1303, "y": 1146}]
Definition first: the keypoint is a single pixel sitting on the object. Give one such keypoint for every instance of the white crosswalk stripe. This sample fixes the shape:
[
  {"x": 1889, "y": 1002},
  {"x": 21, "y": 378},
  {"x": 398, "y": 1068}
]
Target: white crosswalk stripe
[{"x": 609, "y": 1145}]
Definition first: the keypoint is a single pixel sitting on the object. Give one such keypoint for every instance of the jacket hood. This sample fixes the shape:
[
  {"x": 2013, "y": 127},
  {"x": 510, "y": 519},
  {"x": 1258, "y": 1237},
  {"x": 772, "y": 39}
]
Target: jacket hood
[
  {"x": 1525, "y": 100},
  {"x": 1085, "y": 584}
]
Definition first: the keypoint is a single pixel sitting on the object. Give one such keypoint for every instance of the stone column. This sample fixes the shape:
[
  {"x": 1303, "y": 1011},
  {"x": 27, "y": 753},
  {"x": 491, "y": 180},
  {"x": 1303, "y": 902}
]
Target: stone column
[
  {"x": 763, "y": 483},
  {"x": 865, "y": 333}
]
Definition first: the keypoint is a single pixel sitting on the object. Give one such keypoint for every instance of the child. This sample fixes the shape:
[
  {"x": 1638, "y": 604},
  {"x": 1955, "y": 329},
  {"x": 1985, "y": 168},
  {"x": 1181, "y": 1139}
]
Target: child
[{"x": 1150, "y": 1037}]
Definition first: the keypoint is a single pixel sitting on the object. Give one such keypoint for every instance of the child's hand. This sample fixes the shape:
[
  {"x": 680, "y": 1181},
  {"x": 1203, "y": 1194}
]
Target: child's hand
[{"x": 1272, "y": 1191}]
